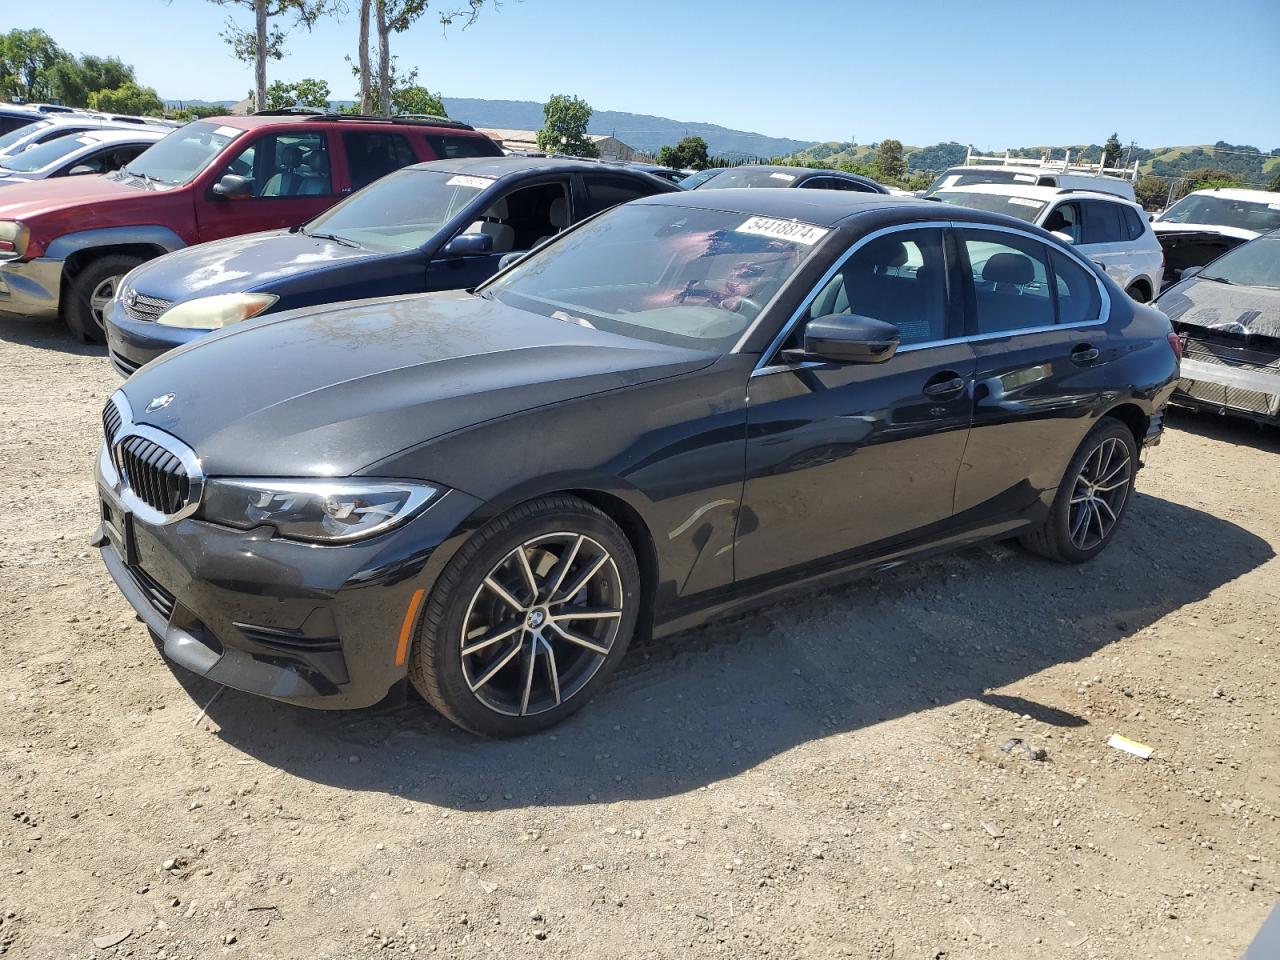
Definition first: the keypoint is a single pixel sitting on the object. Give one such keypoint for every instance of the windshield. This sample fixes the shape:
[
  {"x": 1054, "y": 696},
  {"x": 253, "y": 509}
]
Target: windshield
[
  {"x": 1259, "y": 216},
  {"x": 699, "y": 178},
  {"x": 401, "y": 211},
  {"x": 1252, "y": 264},
  {"x": 45, "y": 154},
  {"x": 747, "y": 177},
  {"x": 971, "y": 175},
  {"x": 667, "y": 274},
  {"x": 1021, "y": 207},
  {"x": 180, "y": 156},
  {"x": 15, "y": 136}
]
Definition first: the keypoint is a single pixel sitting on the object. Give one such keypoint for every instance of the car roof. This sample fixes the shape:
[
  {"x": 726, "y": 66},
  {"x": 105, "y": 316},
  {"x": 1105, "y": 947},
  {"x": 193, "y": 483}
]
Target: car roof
[
  {"x": 496, "y": 167},
  {"x": 1237, "y": 193},
  {"x": 122, "y": 134},
  {"x": 1031, "y": 192},
  {"x": 269, "y": 118},
  {"x": 824, "y": 208}
]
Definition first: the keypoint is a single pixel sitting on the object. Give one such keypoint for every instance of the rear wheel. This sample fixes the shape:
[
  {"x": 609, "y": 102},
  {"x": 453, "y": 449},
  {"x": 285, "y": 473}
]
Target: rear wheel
[
  {"x": 90, "y": 293},
  {"x": 1092, "y": 497},
  {"x": 528, "y": 619}
]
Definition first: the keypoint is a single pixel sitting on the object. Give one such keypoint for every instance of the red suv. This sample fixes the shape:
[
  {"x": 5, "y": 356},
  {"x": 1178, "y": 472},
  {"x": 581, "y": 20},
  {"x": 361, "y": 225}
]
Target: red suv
[{"x": 66, "y": 243}]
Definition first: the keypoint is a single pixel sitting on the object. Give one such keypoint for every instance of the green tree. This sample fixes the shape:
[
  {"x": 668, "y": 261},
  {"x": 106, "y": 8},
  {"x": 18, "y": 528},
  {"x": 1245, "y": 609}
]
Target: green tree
[
  {"x": 889, "y": 161},
  {"x": 1206, "y": 178},
  {"x": 1152, "y": 192},
  {"x": 307, "y": 92},
  {"x": 1111, "y": 151},
  {"x": 27, "y": 61},
  {"x": 565, "y": 129},
  {"x": 397, "y": 16},
  {"x": 691, "y": 152},
  {"x": 129, "y": 98},
  {"x": 1275, "y": 182},
  {"x": 266, "y": 40},
  {"x": 415, "y": 99},
  {"x": 76, "y": 78}
]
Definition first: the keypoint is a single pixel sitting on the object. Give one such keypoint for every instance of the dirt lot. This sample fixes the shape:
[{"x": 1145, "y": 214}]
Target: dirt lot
[{"x": 822, "y": 779}]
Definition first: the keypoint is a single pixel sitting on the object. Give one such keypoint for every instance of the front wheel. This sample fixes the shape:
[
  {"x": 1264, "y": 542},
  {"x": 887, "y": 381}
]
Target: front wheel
[
  {"x": 90, "y": 294},
  {"x": 528, "y": 619},
  {"x": 1092, "y": 497}
]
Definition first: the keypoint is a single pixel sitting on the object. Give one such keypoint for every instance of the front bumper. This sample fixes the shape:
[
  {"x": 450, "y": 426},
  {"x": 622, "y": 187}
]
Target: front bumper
[
  {"x": 1238, "y": 388},
  {"x": 312, "y": 625},
  {"x": 32, "y": 288},
  {"x": 131, "y": 343}
]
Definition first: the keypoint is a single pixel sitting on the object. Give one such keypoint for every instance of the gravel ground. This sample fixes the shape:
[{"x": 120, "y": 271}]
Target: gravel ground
[{"x": 821, "y": 779}]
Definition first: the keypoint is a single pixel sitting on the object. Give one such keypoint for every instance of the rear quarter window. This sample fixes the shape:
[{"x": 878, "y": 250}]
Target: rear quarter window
[
  {"x": 447, "y": 147},
  {"x": 1133, "y": 223}
]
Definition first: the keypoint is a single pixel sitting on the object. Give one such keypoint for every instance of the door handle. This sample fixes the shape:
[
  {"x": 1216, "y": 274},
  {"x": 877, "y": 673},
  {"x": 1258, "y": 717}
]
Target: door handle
[
  {"x": 1084, "y": 354},
  {"x": 944, "y": 386}
]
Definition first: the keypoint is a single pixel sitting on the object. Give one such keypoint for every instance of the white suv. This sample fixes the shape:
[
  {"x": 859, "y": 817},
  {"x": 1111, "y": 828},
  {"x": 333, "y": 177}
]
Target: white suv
[
  {"x": 1029, "y": 176},
  {"x": 1111, "y": 231}
]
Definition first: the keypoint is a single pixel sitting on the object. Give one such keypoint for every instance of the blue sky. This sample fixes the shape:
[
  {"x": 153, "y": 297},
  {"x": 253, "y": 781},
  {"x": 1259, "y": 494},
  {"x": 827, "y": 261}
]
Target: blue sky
[{"x": 989, "y": 72}]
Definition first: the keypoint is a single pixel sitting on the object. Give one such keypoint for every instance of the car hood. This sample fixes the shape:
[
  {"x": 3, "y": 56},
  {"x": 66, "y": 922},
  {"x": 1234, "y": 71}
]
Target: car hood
[
  {"x": 251, "y": 262},
  {"x": 1213, "y": 305},
  {"x": 1240, "y": 232},
  {"x": 328, "y": 392},
  {"x": 60, "y": 193}
]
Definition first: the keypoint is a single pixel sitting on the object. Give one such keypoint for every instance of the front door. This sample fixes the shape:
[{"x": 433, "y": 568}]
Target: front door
[
  {"x": 291, "y": 180},
  {"x": 856, "y": 458}
]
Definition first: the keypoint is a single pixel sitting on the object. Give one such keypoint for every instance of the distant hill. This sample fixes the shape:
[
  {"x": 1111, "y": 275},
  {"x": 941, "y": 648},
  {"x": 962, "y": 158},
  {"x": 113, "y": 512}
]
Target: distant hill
[{"x": 642, "y": 131}]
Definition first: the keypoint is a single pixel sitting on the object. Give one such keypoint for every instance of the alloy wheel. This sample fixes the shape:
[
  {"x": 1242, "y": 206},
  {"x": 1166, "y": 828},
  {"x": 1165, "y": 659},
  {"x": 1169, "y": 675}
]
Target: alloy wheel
[
  {"x": 1099, "y": 494},
  {"x": 101, "y": 299},
  {"x": 541, "y": 624}
]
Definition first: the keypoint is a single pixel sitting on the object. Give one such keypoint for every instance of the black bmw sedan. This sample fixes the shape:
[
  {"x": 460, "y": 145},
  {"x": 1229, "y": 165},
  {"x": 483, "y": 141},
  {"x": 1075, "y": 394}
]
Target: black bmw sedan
[{"x": 681, "y": 408}]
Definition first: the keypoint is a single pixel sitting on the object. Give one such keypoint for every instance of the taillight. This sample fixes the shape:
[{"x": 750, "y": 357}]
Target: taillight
[{"x": 1175, "y": 343}]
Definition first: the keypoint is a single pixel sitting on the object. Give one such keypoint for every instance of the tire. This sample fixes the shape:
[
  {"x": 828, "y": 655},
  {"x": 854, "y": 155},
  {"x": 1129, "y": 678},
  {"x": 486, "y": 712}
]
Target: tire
[
  {"x": 523, "y": 673},
  {"x": 98, "y": 278},
  {"x": 1074, "y": 531}
]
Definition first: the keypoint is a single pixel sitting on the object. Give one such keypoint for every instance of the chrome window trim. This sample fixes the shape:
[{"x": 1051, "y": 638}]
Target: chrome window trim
[
  {"x": 1104, "y": 314},
  {"x": 190, "y": 462}
]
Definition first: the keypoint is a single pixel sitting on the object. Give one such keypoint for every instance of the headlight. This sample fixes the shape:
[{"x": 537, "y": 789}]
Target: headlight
[
  {"x": 213, "y": 313},
  {"x": 321, "y": 511},
  {"x": 14, "y": 237}
]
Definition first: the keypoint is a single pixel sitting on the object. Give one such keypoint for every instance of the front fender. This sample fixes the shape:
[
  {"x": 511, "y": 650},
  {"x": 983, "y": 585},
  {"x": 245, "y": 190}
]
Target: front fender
[{"x": 160, "y": 237}]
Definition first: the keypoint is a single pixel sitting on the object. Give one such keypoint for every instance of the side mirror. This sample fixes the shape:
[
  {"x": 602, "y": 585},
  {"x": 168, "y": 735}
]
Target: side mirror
[
  {"x": 233, "y": 187},
  {"x": 468, "y": 245},
  {"x": 848, "y": 338},
  {"x": 1188, "y": 272},
  {"x": 1064, "y": 237},
  {"x": 81, "y": 170},
  {"x": 508, "y": 259}
]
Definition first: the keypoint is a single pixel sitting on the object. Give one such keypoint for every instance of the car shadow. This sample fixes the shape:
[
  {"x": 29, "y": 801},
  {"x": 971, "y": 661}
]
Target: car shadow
[
  {"x": 1226, "y": 428},
  {"x": 45, "y": 335},
  {"x": 687, "y": 711}
]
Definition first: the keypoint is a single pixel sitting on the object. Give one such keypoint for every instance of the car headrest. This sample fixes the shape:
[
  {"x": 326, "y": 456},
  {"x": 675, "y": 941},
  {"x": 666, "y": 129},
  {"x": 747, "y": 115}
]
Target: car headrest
[
  {"x": 1009, "y": 268},
  {"x": 559, "y": 213},
  {"x": 897, "y": 257},
  {"x": 291, "y": 156},
  {"x": 497, "y": 211}
]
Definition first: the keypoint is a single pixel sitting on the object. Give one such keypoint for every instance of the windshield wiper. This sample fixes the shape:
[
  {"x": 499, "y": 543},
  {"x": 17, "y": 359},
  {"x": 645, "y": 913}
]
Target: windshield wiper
[
  {"x": 1229, "y": 283},
  {"x": 344, "y": 241}
]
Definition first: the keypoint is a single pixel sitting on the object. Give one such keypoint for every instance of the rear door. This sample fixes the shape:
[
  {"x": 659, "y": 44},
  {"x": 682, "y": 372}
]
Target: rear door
[
  {"x": 291, "y": 177},
  {"x": 372, "y": 154},
  {"x": 1106, "y": 240},
  {"x": 1036, "y": 319},
  {"x": 848, "y": 459}
]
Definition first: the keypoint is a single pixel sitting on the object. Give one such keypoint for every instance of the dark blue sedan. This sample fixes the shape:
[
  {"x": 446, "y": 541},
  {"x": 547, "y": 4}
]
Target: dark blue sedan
[{"x": 444, "y": 225}]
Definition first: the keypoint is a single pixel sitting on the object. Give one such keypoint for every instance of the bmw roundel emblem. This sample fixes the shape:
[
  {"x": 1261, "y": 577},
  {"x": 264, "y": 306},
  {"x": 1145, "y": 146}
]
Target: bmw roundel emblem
[{"x": 160, "y": 402}]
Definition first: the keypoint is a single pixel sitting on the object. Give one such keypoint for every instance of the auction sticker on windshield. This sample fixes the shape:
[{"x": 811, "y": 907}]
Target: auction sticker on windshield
[
  {"x": 231, "y": 132},
  {"x": 1020, "y": 202},
  {"x": 793, "y": 230},
  {"x": 476, "y": 183},
  {"x": 781, "y": 176}
]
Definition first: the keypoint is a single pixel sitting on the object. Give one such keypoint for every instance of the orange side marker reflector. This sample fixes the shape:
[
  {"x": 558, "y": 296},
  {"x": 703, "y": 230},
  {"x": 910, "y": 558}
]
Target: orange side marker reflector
[{"x": 406, "y": 628}]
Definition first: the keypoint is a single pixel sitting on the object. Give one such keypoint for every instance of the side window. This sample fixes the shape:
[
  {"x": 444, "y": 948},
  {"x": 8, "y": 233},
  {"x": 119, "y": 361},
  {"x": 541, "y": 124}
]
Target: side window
[
  {"x": 1010, "y": 280},
  {"x": 57, "y": 131},
  {"x": 451, "y": 148},
  {"x": 1066, "y": 218},
  {"x": 1102, "y": 222},
  {"x": 899, "y": 278},
  {"x": 1133, "y": 223},
  {"x": 818, "y": 183},
  {"x": 8, "y": 124},
  {"x": 374, "y": 155},
  {"x": 1078, "y": 297},
  {"x": 606, "y": 192},
  {"x": 286, "y": 165},
  {"x": 525, "y": 217}
]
